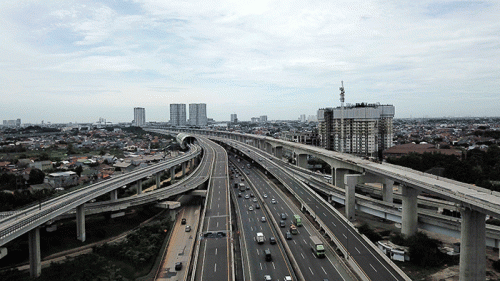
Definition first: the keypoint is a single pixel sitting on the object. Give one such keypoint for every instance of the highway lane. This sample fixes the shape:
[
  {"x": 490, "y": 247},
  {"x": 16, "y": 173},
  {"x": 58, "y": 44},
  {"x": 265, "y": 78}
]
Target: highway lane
[
  {"x": 216, "y": 250},
  {"x": 371, "y": 263},
  {"x": 250, "y": 223},
  {"x": 311, "y": 267}
]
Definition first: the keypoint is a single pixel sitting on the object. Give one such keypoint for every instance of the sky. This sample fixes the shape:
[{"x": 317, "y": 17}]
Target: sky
[{"x": 76, "y": 61}]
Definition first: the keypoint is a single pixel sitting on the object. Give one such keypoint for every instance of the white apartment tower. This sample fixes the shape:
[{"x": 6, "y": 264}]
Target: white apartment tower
[
  {"x": 178, "y": 114},
  {"x": 198, "y": 114},
  {"x": 367, "y": 128},
  {"x": 263, "y": 119},
  {"x": 139, "y": 116},
  {"x": 234, "y": 118}
]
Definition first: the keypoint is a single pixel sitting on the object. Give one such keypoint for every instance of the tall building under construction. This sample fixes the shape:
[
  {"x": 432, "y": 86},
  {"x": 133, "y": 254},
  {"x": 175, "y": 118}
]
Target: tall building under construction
[{"x": 361, "y": 129}]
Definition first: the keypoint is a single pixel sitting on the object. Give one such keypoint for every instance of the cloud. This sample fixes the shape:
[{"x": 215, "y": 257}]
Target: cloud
[{"x": 255, "y": 57}]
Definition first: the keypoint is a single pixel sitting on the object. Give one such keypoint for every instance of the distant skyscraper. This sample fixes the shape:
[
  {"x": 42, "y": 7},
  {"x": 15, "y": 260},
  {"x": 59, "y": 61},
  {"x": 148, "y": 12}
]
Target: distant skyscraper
[
  {"x": 367, "y": 128},
  {"x": 263, "y": 118},
  {"x": 12, "y": 123},
  {"x": 234, "y": 118},
  {"x": 178, "y": 114},
  {"x": 139, "y": 116},
  {"x": 255, "y": 119},
  {"x": 198, "y": 114},
  {"x": 303, "y": 118}
]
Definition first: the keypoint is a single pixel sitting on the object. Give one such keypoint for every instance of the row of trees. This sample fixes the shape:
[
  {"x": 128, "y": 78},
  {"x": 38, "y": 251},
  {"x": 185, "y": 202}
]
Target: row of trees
[{"x": 478, "y": 167}]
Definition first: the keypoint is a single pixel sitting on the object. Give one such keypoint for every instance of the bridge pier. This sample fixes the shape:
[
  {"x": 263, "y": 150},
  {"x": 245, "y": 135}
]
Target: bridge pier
[
  {"x": 172, "y": 175},
  {"x": 388, "y": 191},
  {"x": 350, "y": 195},
  {"x": 302, "y": 160},
  {"x": 80, "y": 223},
  {"x": 158, "y": 180},
  {"x": 338, "y": 177},
  {"x": 139, "y": 187},
  {"x": 278, "y": 152},
  {"x": 183, "y": 168},
  {"x": 34, "y": 253},
  {"x": 409, "y": 218},
  {"x": 113, "y": 194},
  {"x": 472, "y": 246}
]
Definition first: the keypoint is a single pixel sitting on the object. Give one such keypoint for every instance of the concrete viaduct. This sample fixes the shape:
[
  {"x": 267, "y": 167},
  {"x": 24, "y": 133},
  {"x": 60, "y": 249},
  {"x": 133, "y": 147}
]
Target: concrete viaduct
[{"x": 348, "y": 171}]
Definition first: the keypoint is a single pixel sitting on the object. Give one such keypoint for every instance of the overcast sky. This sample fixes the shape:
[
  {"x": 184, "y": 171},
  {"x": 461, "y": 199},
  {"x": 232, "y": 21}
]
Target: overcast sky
[{"x": 76, "y": 61}]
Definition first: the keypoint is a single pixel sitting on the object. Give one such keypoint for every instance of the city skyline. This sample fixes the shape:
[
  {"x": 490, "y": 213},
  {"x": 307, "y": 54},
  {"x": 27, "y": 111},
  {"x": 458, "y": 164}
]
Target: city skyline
[{"x": 75, "y": 61}]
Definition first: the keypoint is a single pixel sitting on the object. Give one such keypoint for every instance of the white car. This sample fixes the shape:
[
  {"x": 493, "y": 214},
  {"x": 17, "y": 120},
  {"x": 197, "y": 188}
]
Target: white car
[
  {"x": 267, "y": 277},
  {"x": 273, "y": 201},
  {"x": 263, "y": 219},
  {"x": 250, "y": 208},
  {"x": 265, "y": 195},
  {"x": 288, "y": 278}
]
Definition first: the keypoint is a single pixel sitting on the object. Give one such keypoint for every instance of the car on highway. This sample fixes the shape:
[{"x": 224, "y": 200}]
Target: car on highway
[
  {"x": 247, "y": 196},
  {"x": 288, "y": 235},
  {"x": 188, "y": 228},
  {"x": 248, "y": 187},
  {"x": 255, "y": 200},
  {"x": 272, "y": 240},
  {"x": 251, "y": 195},
  {"x": 263, "y": 219},
  {"x": 267, "y": 278},
  {"x": 257, "y": 206},
  {"x": 239, "y": 194},
  {"x": 287, "y": 278},
  {"x": 250, "y": 208},
  {"x": 265, "y": 195},
  {"x": 282, "y": 223},
  {"x": 183, "y": 221},
  {"x": 283, "y": 216},
  {"x": 178, "y": 265},
  {"x": 273, "y": 201},
  {"x": 236, "y": 175}
]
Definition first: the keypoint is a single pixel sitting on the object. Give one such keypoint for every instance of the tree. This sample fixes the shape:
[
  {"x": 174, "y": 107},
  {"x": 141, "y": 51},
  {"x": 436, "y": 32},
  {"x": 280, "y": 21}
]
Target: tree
[
  {"x": 36, "y": 176},
  {"x": 79, "y": 170}
]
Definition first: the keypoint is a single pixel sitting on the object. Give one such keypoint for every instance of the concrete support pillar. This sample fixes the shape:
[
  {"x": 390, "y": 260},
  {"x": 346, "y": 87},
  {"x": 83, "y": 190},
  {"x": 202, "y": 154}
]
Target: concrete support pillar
[
  {"x": 158, "y": 180},
  {"x": 387, "y": 191},
  {"x": 409, "y": 220},
  {"x": 269, "y": 148},
  {"x": 278, "y": 152},
  {"x": 472, "y": 246},
  {"x": 113, "y": 194},
  {"x": 339, "y": 177},
  {"x": 172, "y": 175},
  {"x": 80, "y": 222},
  {"x": 302, "y": 160},
  {"x": 184, "y": 169},
  {"x": 262, "y": 145},
  {"x": 350, "y": 195},
  {"x": 139, "y": 187},
  {"x": 34, "y": 252}
]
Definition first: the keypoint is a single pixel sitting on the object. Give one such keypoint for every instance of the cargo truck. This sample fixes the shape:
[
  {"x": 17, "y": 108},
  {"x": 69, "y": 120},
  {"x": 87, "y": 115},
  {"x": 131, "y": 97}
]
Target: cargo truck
[
  {"x": 260, "y": 238},
  {"x": 296, "y": 220},
  {"x": 317, "y": 247}
]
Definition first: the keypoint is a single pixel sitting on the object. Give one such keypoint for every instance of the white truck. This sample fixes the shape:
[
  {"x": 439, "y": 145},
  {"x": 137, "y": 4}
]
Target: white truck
[{"x": 260, "y": 238}]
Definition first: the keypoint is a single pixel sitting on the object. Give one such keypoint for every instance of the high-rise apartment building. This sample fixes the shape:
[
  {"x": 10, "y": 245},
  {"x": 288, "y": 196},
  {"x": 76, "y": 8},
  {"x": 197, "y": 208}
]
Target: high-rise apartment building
[
  {"x": 178, "y": 114},
  {"x": 234, "y": 118},
  {"x": 139, "y": 116},
  {"x": 263, "y": 119},
  {"x": 12, "y": 123},
  {"x": 364, "y": 130},
  {"x": 198, "y": 114}
]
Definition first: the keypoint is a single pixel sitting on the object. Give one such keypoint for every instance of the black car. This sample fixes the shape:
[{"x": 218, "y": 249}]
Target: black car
[
  {"x": 288, "y": 235},
  {"x": 272, "y": 240},
  {"x": 178, "y": 265},
  {"x": 183, "y": 221}
]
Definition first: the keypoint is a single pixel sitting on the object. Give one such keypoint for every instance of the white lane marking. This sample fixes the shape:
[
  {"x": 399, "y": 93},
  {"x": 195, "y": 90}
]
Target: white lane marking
[
  {"x": 357, "y": 250},
  {"x": 302, "y": 256},
  {"x": 344, "y": 235},
  {"x": 215, "y": 267},
  {"x": 324, "y": 270},
  {"x": 334, "y": 224},
  {"x": 311, "y": 271},
  {"x": 373, "y": 267},
  {"x": 216, "y": 251}
]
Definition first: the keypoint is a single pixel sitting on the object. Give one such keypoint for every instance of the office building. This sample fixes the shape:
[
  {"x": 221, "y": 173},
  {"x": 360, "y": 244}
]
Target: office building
[
  {"x": 12, "y": 123},
  {"x": 234, "y": 118},
  {"x": 263, "y": 119},
  {"x": 178, "y": 114},
  {"x": 254, "y": 120},
  {"x": 139, "y": 116},
  {"x": 364, "y": 130},
  {"x": 302, "y": 118},
  {"x": 198, "y": 114}
]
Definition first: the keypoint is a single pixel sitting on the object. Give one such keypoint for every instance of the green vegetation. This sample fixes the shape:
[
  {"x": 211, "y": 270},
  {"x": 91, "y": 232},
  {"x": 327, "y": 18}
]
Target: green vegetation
[
  {"x": 479, "y": 167},
  {"x": 17, "y": 199},
  {"x": 369, "y": 233}
]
